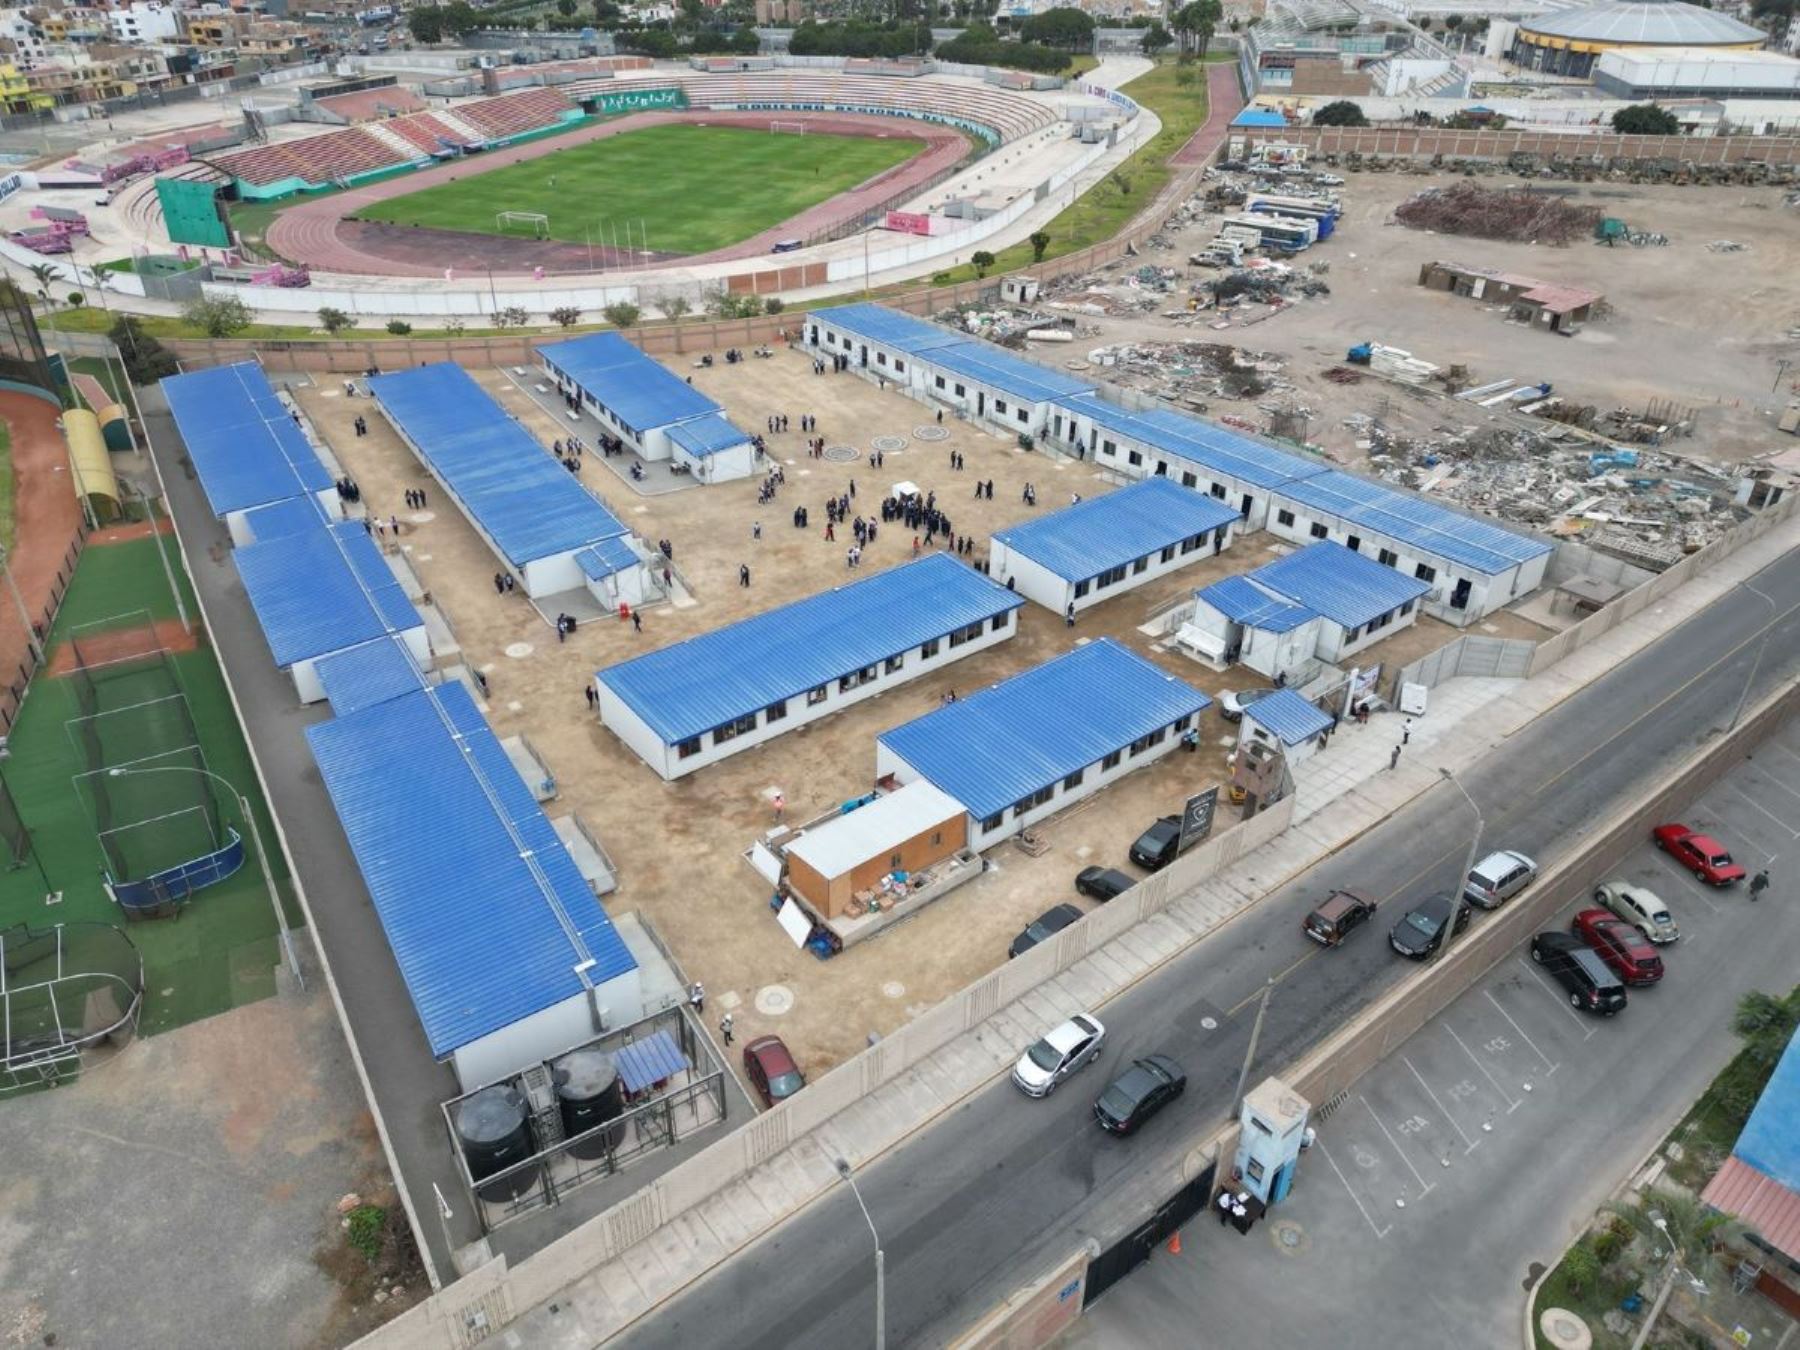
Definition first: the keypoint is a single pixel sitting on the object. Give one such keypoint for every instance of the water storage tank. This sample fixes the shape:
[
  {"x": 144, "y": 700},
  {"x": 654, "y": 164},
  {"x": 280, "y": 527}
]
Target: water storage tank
[
  {"x": 494, "y": 1134},
  {"x": 590, "y": 1094}
]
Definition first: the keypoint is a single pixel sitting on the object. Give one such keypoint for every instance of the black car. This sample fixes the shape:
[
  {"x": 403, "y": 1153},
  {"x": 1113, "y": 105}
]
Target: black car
[
  {"x": 1103, "y": 883},
  {"x": 1421, "y": 931},
  {"x": 1155, "y": 847},
  {"x": 1150, "y": 1084},
  {"x": 1047, "y": 924},
  {"x": 1578, "y": 968}
]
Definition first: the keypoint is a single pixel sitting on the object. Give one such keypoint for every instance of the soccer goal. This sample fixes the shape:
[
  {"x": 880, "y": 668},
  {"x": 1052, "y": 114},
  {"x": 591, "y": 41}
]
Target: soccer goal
[
  {"x": 791, "y": 128},
  {"x": 537, "y": 221}
]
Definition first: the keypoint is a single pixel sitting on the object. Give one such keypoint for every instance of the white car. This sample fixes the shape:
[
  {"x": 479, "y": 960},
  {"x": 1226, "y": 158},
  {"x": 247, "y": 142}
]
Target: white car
[
  {"x": 1328, "y": 180},
  {"x": 1073, "y": 1045},
  {"x": 1233, "y": 702},
  {"x": 1638, "y": 905}
]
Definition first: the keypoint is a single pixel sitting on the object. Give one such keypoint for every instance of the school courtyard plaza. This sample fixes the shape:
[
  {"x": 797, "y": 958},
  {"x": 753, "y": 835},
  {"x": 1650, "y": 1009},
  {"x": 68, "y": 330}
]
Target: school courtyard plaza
[{"x": 679, "y": 846}]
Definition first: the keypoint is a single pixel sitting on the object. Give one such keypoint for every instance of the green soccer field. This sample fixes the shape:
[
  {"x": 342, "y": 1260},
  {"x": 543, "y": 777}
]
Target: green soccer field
[{"x": 687, "y": 189}]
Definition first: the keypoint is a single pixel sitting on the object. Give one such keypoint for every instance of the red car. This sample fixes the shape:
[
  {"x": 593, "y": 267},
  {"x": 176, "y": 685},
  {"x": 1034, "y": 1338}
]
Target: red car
[
  {"x": 1701, "y": 854},
  {"x": 1621, "y": 945},
  {"x": 771, "y": 1070}
]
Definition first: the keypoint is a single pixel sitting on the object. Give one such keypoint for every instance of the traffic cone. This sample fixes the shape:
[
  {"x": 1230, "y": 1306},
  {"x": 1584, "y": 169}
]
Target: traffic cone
[{"x": 1175, "y": 1244}]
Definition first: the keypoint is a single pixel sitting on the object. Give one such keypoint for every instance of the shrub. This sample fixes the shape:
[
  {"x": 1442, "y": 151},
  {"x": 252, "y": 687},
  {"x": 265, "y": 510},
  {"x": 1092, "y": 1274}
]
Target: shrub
[
  {"x": 333, "y": 321},
  {"x": 366, "y": 1224},
  {"x": 399, "y": 327}
]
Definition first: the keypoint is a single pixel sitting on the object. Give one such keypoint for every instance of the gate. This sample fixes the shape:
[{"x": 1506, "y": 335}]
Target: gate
[{"x": 1132, "y": 1250}]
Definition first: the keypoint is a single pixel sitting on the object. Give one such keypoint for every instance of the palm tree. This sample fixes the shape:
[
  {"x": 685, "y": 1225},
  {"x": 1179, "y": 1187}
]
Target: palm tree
[{"x": 44, "y": 274}]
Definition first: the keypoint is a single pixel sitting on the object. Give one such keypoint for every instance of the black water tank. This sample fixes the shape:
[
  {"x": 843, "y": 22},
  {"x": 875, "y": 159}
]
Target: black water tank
[
  {"x": 492, "y": 1125},
  {"x": 590, "y": 1094}
]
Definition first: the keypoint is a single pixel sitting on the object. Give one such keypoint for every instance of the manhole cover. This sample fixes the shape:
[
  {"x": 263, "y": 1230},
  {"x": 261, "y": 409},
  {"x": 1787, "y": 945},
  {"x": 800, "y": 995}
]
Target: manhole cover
[
  {"x": 772, "y": 1000},
  {"x": 888, "y": 444},
  {"x": 842, "y": 453},
  {"x": 1564, "y": 1329},
  {"x": 518, "y": 650},
  {"x": 893, "y": 989},
  {"x": 1290, "y": 1238},
  {"x": 930, "y": 433}
]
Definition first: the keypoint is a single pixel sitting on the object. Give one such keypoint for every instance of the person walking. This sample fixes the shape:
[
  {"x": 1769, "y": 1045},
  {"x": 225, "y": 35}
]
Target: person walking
[
  {"x": 1406, "y": 731},
  {"x": 779, "y": 803},
  {"x": 592, "y": 697},
  {"x": 637, "y": 622},
  {"x": 697, "y": 998},
  {"x": 743, "y": 574},
  {"x": 1758, "y": 884},
  {"x": 725, "y": 1028},
  {"x": 1394, "y": 759},
  {"x": 1069, "y": 614}
]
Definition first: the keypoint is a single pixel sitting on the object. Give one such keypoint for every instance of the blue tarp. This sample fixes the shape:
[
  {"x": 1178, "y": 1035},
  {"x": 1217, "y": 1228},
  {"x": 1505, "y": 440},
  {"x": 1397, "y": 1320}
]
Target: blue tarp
[
  {"x": 322, "y": 591},
  {"x": 992, "y": 749},
  {"x": 529, "y": 505},
  {"x": 1084, "y": 540},
  {"x": 638, "y": 391},
  {"x": 885, "y": 327},
  {"x": 691, "y": 687},
  {"x": 480, "y": 901},
  {"x": 1433, "y": 530},
  {"x": 1287, "y": 716},
  {"x": 372, "y": 673},
  {"x": 246, "y": 447}
]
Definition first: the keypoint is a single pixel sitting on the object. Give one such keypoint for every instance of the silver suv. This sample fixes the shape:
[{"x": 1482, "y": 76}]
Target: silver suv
[{"x": 1498, "y": 877}]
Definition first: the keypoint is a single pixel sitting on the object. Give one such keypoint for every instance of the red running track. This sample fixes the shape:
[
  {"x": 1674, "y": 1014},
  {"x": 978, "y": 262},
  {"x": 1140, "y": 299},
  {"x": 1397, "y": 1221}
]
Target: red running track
[{"x": 1224, "y": 100}]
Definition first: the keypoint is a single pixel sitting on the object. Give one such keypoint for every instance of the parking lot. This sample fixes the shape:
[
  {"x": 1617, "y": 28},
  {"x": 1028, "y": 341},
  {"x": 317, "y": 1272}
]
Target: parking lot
[{"x": 1472, "y": 1155}]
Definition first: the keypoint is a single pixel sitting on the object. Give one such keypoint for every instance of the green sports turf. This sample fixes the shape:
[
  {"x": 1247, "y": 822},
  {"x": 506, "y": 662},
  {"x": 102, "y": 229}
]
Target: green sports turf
[
  {"x": 688, "y": 189},
  {"x": 222, "y": 950}
]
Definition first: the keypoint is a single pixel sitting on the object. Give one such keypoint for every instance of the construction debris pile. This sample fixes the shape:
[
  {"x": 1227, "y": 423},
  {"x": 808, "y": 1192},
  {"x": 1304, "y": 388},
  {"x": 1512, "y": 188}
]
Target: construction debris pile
[
  {"x": 1516, "y": 214},
  {"x": 1580, "y": 169},
  {"x": 1190, "y": 373}
]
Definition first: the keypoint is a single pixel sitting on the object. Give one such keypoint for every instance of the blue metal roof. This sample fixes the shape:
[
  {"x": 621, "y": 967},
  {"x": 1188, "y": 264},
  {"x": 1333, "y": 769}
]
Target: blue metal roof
[
  {"x": 706, "y": 681},
  {"x": 1011, "y": 375},
  {"x": 607, "y": 558},
  {"x": 1436, "y": 530},
  {"x": 481, "y": 903},
  {"x": 1220, "y": 449},
  {"x": 245, "y": 446},
  {"x": 1345, "y": 587},
  {"x": 372, "y": 673},
  {"x": 322, "y": 591},
  {"x": 639, "y": 391},
  {"x": 888, "y": 327},
  {"x": 708, "y": 435},
  {"x": 999, "y": 746},
  {"x": 293, "y": 516},
  {"x": 649, "y": 1060},
  {"x": 1288, "y": 716},
  {"x": 1083, "y": 540},
  {"x": 1241, "y": 600},
  {"x": 1770, "y": 1142},
  {"x": 528, "y": 504}
]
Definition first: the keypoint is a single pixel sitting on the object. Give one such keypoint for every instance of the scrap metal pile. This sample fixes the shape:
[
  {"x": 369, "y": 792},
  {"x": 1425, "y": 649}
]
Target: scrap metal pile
[{"x": 1486, "y": 213}]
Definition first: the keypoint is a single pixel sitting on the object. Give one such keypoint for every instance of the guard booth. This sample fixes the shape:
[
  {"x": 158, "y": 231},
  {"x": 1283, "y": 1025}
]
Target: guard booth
[{"x": 1271, "y": 1133}]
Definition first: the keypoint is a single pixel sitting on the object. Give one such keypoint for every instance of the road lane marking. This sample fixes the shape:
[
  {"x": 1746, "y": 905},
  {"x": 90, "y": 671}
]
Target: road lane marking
[
  {"x": 1521, "y": 1030},
  {"x": 1425, "y": 1185},
  {"x": 1248, "y": 999},
  {"x": 1440, "y": 1106},
  {"x": 1512, "y": 1105},
  {"x": 1354, "y": 1197}
]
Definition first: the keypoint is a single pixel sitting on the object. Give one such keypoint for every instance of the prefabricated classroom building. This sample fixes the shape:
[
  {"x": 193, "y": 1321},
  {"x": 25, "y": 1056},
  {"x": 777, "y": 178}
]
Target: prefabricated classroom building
[
  {"x": 1107, "y": 545},
  {"x": 1027, "y": 747},
  {"x": 649, "y": 407},
  {"x": 537, "y": 517},
  {"x": 695, "y": 702}
]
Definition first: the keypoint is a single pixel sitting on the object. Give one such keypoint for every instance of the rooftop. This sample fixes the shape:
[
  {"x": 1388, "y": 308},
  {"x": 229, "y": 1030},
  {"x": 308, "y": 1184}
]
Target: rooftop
[
  {"x": 889, "y": 327},
  {"x": 245, "y": 445},
  {"x": 375, "y": 672},
  {"x": 321, "y": 591},
  {"x": 838, "y": 845},
  {"x": 1340, "y": 584},
  {"x": 1086, "y": 539},
  {"x": 641, "y": 392},
  {"x": 1760, "y": 1181},
  {"x": 1011, "y": 375},
  {"x": 1202, "y": 443},
  {"x": 1242, "y": 600},
  {"x": 1645, "y": 23},
  {"x": 1288, "y": 717},
  {"x": 1432, "y": 529}
]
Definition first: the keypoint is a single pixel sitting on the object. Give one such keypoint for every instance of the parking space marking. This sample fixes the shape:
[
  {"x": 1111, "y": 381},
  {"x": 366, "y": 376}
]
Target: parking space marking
[
  {"x": 1360, "y": 1208},
  {"x": 1784, "y": 750},
  {"x": 1688, "y": 884},
  {"x": 1790, "y": 790},
  {"x": 1549, "y": 1068},
  {"x": 1587, "y": 1031},
  {"x": 1425, "y": 1186},
  {"x": 1753, "y": 803},
  {"x": 1511, "y": 1104},
  {"x": 1469, "y": 1144}
]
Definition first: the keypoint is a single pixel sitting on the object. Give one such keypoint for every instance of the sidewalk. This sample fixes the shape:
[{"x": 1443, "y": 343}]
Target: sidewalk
[{"x": 1467, "y": 718}]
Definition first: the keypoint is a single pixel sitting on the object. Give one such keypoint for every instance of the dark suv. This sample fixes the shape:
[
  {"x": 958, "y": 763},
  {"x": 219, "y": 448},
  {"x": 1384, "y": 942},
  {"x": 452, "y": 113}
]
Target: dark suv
[
  {"x": 1578, "y": 968},
  {"x": 1047, "y": 924},
  {"x": 1155, "y": 847}
]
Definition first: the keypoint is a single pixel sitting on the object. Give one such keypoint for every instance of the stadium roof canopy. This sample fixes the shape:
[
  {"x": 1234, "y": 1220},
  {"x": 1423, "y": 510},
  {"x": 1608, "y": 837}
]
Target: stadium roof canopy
[
  {"x": 246, "y": 447},
  {"x": 1645, "y": 23}
]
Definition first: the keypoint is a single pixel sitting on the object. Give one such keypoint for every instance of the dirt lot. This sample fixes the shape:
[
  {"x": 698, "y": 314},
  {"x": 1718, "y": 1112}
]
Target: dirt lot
[
  {"x": 1698, "y": 328},
  {"x": 679, "y": 846}
]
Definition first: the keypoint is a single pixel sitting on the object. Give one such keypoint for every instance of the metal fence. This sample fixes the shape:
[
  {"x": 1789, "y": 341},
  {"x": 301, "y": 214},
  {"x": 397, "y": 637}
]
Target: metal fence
[{"x": 23, "y": 656}]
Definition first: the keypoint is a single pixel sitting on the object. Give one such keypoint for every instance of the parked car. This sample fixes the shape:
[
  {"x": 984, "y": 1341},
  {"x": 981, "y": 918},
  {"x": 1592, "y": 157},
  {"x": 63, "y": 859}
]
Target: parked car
[
  {"x": 1150, "y": 1084},
  {"x": 1498, "y": 877},
  {"x": 1620, "y": 945},
  {"x": 1701, "y": 854},
  {"x": 1233, "y": 702},
  {"x": 1069, "y": 1046},
  {"x": 1421, "y": 931},
  {"x": 1047, "y": 924},
  {"x": 1336, "y": 917},
  {"x": 1328, "y": 180},
  {"x": 1579, "y": 970},
  {"x": 1155, "y": 847},
  {"x": 1639, "y": 905},
  {"x": 1103, "y": 883},
  {"x": 771, "y": 1070}
]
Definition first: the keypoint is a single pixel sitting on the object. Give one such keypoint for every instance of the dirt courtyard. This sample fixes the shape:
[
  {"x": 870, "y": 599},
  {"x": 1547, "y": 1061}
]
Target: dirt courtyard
[{"x": 679, "y": 846}]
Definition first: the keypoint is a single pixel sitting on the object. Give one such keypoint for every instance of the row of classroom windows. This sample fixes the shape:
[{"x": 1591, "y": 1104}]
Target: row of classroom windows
[
  {"x": 1000, "y": 405},
  {"x": 1386, "y": 557},
  {"x": 742, "y": 726},
  {"x": 1114, "y": 575},
  {"x": 1074, "y": 780}
]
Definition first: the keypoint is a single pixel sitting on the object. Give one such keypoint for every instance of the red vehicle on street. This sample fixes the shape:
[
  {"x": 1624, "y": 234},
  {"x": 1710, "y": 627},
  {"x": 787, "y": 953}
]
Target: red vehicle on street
[
  {"x": 1701, "y": 854},
  {"x": 1621, "y": 945}
]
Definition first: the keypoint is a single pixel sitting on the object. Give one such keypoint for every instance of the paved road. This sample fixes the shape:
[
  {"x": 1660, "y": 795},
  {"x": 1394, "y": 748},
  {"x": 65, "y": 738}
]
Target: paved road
[
  {"x": 988, "y": 1198},
  {"x": 1501, "y": 1125}
]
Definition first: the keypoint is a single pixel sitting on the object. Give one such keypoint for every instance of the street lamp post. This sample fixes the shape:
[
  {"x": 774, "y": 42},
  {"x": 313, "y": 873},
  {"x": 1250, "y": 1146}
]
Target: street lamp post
[
  {"x": 843, "y": 1169},
  {"x": 1462, "y": 881},
  {"x": 1755, "y": 664},
  {"x": 262, "y": 854}
]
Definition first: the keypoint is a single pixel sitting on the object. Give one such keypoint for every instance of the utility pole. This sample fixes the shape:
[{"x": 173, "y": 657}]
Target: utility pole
[
  {"x": 1761, "y": 645},
  {"x": 1262, "y": 1008},
  {"x": 1462, "y": 880}
]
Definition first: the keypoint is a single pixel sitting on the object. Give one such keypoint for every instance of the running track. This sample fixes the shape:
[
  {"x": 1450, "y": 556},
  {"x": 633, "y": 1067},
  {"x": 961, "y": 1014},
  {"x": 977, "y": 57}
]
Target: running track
[
  {"x": 1223, "y": 102},
  {"x": 46, "y": 516}
]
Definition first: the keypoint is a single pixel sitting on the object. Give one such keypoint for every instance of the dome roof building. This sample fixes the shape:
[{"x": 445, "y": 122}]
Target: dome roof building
[{"x": 1568, "y": 42}]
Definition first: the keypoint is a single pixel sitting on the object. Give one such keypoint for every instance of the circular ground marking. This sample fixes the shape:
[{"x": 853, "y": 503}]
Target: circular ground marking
[
  {"x": 888, "y": 444},
  {"x": 1564, "y": 1329},
  {"x": 772, "y": 1000},
  {"x": 518, "y": 650},
  {"x": 842, "y": 453},
  {"x": 422, "y": 517},
  {"x": 893, "y": 989},
  {"x": 1209, "y": 1023},
  {"x": 1290, "y": 1238},
  {"x": 930, "y": 433}
]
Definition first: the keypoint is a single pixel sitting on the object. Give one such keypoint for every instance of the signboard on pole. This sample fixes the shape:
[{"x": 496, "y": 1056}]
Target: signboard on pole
[{"x": 1197, "y": 818}]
